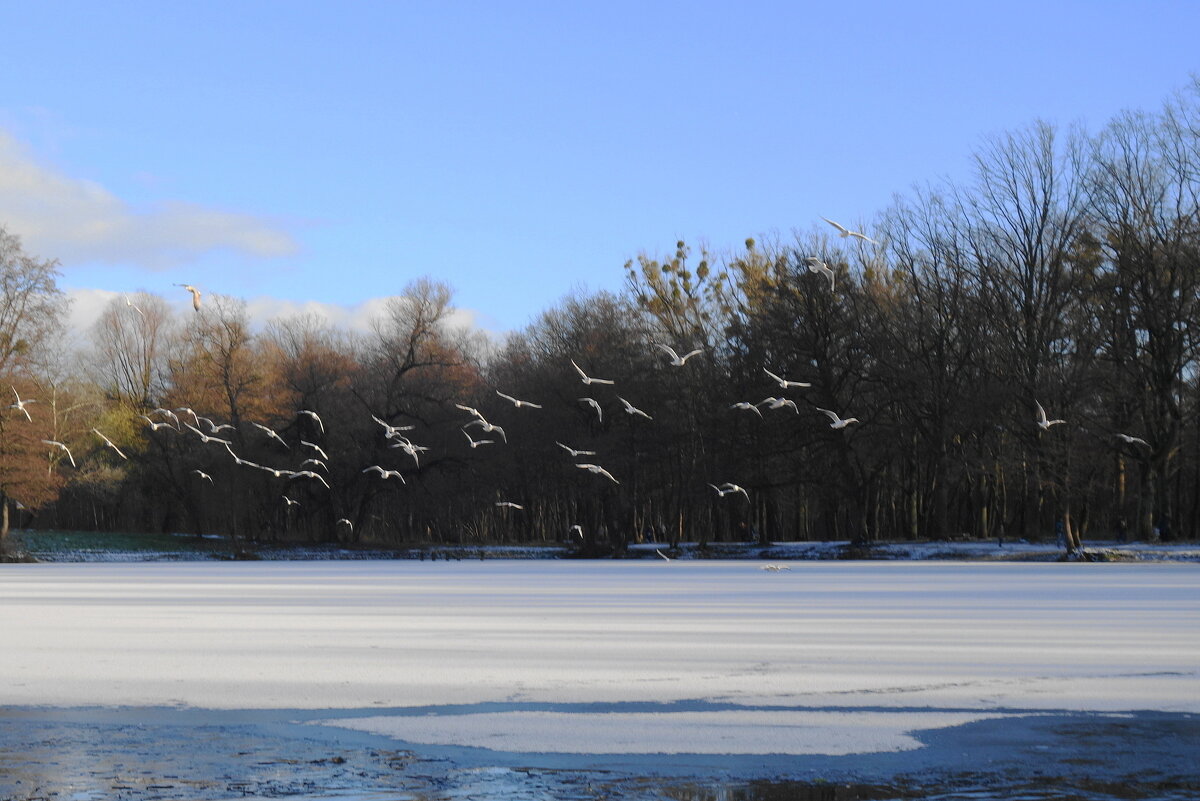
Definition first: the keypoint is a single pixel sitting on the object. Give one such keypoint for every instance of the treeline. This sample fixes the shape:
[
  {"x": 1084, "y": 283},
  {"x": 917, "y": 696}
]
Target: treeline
[{"x": 1064, "y": 276}]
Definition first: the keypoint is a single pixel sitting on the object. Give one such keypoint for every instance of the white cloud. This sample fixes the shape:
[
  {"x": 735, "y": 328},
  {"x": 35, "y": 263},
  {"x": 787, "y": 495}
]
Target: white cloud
[{"x": 75, "y": 220}]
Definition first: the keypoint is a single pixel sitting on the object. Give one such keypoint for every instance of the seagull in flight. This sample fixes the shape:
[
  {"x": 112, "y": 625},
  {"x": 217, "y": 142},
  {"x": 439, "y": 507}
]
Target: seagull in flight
[
  {"x": 343, "y": 521},
  {"x": 784, "y": 383},
  {"x": 195, "y": 295},
  {"x": 310, "y": 474},
  {"x": 596, "y": 469},
  {"x": 509, "y": 505},
  {"x": 775, "y": 568},
  {"x": 186, "y": 410},
  {"x": 487, "y": 427},
  {"x": 518, "y": 403},
  {"x": 290, "y": 502},
  {"x": 475, "y": 443},
  {"x": 779, "y": 403},
  {"x": 576, "y": 530},
  {"x": 665, "y": 558},
  {"x": 270, "y": 432},
  {"x": 588, "y": 379},
  {"x": 129, "y": 303},
  {"x": 61, "y": 447},
  {"x": 168, "y": 413},
  {"x": 845, "y": 232},
  {"x": 631, "y": 409},
  {"x": 574, "y": 453},
  {"x": 389, "y": 430},
  {"x": 595, "y": 405},
  {"x": 155, "y": 426},
  {"x": 385, "y": 473},
  {"x": 1131, "y": 440},
  {"x": 729, "y": 488},
  {"x": 109, "y": 443},
  {"x": 201, "y": 474},
  {"x": 746, "y": 407},
  {"x": 316, "y": 463},
  {"x": 20, "y": 405},
  {"x": 206, "y": 437},
  {"x": 315, "y": 447},
  {"x": 315, "y": 417},
  {"x": 836, "y": 421},
  {"x": 1042, "y": 422},
  {"x": 815, "y": 265},
  {"x": 412, "y": 450},
  {"x": 676, "y": 359}
]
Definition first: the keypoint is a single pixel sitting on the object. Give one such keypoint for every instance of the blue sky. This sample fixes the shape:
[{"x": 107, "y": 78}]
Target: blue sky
[{"x": 331, "y": 152}]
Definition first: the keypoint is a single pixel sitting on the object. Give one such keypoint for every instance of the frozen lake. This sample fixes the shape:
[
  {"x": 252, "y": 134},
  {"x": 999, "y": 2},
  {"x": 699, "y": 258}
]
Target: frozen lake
[{"x": 565, "y": 662}]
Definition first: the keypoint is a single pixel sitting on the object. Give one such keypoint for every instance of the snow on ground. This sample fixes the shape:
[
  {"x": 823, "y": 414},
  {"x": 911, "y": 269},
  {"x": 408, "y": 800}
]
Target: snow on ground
[{"x": 613, "y": 656}]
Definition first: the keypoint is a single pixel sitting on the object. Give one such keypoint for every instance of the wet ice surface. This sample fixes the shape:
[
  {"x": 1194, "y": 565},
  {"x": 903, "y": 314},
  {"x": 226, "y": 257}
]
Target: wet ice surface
[
  {"x": 591, "y": 680},
  {"x": 143, "y": 754}
]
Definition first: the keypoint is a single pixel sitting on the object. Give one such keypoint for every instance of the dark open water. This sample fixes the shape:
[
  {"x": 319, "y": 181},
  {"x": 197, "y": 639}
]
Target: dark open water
[{"x": 196, "y": 755}]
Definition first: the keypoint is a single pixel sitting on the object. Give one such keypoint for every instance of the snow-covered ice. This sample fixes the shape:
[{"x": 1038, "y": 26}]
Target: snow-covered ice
[{"x": 611, "y": 656}]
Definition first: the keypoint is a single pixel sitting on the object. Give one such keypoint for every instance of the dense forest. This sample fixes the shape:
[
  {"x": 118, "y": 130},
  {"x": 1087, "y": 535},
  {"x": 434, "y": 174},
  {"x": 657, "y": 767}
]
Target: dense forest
[{"x": 1017, "y": 351}]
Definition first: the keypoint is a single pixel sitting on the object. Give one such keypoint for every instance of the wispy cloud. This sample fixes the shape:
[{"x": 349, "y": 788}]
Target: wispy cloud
[{"x": 77, "y": 221}]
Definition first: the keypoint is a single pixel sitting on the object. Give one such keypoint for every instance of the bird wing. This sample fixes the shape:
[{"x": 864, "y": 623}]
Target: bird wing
[
  {"x": 579, "y": 370},
  {"x": 832, "y": 415},
  {"x": 669, "y": 350},
  {"x": 844, "y": 231},
  {"x": 1041, "y": 413}
]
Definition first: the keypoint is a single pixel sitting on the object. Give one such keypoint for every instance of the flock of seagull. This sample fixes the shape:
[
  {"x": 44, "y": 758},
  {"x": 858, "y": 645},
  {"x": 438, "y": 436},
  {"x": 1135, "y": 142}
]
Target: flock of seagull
[{"x": 315, "y": 467}]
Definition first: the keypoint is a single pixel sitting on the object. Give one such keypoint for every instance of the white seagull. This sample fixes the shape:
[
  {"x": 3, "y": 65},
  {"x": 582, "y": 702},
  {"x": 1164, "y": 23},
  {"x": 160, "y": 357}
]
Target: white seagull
[
  {"x": 168, "y": 413},
  {"x": 1042, "y": 422},
  {"x": 290, "y": 502},
  {"x": 315, "y": 417},
  {"x": 20, "y": 405},
  {"x": 574, "y": 453},
  {"x": 631, "y": 409},
  {"x": 588, "y": 379},
  {"x": 487, "y": 427},
  {"x": 599, "y": 471},
  {"x": 206, "y": 437},
  {"x": 385, "y": 473},
  {"x": 509, "y": 505},
  {"x": 676, "y": 359},
  {"x": 201, "y": 474},
  {"x": 845, "y": 232},
  {"x": 389, "y": 430},
  {"x": 195, "y": 295},
  {"x": 779, "y": 403},
  {"x": 315, "y": 447},
  {"x": 62, "y": 447},
  {"x": 784, "y": 383},
  {"x": 595, "y": 405},
  {"x": 342, "y": 520},
  {"x": 155, "y": 426},
  {"x": 109, "y": 443},
  {"x": 746, "y": 407},
  {"x": 1131, "y": 440},
  {"x": 775, "y": 568},
  {"x": 729, "y": 488},
  {"x": 310, "y": 474},
  {"x": 270, "y": 432},
  {"x": 518, "y": 403},
  {"x": 815, "y": 265},
  {"x": 475, "y": 443},
  {"x": 129, "y": 303},
  {"x": 837, "y": 422}
]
